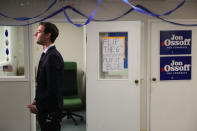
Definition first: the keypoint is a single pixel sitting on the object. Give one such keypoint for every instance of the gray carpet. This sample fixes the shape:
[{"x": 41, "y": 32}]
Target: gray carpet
[{"x": 68, "y": 124}]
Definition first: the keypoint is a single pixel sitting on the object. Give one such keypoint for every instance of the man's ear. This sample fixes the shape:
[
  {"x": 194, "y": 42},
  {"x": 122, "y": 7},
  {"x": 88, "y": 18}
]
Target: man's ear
[{"x": 48, "y": 35}]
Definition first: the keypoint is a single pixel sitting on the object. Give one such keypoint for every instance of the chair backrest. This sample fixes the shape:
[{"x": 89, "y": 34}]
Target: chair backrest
[{"x": 70, "y": 79}]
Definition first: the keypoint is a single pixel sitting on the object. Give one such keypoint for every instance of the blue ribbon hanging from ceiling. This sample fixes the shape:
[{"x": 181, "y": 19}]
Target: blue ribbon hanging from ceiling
[
  {"x": 28, "y": 18},
  {"x": 144, "y": 10},
  {"x": 88, "y": 20},
  {"x": 138, "y": 8}
]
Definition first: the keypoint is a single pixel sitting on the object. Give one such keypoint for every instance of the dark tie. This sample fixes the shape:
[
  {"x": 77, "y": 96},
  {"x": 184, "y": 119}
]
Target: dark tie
[
  {"x": 41, "y": 58},
  {"x": 42, "y": 55}
]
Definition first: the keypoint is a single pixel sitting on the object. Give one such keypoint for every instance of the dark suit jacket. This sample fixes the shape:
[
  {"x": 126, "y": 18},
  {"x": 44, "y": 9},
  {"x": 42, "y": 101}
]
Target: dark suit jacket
[{"x": 49, "y": 97}]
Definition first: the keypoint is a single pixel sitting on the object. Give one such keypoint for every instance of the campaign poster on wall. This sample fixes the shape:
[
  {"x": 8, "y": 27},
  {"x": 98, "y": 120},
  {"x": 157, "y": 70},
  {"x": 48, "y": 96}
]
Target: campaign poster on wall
[
  {"x": 175, "y": 68},
  {"x": 175, "y": 42}
]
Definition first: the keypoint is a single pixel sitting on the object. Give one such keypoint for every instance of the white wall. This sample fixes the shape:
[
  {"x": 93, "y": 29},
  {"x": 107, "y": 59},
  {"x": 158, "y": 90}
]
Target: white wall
[{"x": 14, "y": 98}]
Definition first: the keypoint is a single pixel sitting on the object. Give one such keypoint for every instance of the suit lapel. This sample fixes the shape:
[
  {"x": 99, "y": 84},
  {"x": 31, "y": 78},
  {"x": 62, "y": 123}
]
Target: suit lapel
[{"x": 42, "y": 58}]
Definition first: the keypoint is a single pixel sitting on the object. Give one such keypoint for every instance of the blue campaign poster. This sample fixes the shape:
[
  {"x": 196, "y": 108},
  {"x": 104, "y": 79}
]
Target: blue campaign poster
[
  {"x": 175, "y": 68},
  {"x": 175, "y": 42}
]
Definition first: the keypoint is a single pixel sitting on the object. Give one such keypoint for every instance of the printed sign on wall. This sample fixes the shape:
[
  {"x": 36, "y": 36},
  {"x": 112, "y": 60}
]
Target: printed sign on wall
[
  {"x": 113, "y": 53},
  {"x": 175, "y": 68},
  {"x": 175, "y": 42}
]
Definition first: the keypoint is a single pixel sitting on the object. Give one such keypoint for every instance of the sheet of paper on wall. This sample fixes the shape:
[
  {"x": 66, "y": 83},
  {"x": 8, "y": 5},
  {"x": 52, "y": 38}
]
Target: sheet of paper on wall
[{"x": 113, "y": 54}]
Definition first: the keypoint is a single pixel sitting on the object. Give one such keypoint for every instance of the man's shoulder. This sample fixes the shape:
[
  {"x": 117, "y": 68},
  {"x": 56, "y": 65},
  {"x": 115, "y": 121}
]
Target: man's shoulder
[{"x": 55, "y": 55}]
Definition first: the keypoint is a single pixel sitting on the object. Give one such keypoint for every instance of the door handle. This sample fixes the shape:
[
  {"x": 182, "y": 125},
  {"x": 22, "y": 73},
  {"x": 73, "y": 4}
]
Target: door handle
[
  {"x": 136, "y": 81},
  {"x": 154, "y": 79}
]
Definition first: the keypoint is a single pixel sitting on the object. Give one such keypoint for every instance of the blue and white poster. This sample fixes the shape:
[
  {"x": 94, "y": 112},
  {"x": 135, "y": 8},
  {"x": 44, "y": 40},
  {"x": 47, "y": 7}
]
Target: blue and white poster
[
  {"x": 175, "y": 68},
  {"x": 175, "y": 42}
]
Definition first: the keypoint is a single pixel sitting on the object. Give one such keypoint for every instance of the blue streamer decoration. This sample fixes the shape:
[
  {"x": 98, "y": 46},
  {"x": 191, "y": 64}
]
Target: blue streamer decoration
[
  {"x": 144, "y": 11},
  {"x": 29, "y": 18},
  {"x": 55, "y": 13},
  {"x": 88, "y": 20},
  {"x": 138, "y": 8},
  {"x": 148, "y": 12}
]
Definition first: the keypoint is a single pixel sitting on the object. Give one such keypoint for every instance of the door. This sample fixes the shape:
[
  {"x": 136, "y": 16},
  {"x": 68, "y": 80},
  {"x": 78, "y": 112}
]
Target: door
[
  {"x": 113, "y": 76},
  {"x": 173, "y": 77}
]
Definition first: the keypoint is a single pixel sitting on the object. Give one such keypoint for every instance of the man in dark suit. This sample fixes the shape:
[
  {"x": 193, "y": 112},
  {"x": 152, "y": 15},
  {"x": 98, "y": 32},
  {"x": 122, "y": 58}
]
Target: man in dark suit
[{"x": 48, "y": 103}]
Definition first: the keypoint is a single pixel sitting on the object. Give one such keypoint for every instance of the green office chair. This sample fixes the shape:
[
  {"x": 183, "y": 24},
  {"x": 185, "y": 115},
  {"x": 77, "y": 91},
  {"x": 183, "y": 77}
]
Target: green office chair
[{"x": 71, "y": 98}]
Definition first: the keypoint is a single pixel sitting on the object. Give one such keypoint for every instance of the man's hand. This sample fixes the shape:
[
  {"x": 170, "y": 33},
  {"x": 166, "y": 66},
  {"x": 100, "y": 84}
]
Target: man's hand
[{"x": 32, "y": 108}]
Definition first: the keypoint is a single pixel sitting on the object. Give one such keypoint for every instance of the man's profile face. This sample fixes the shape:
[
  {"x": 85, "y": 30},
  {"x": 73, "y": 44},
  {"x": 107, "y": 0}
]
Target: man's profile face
[{"x": 41, "y": 37}]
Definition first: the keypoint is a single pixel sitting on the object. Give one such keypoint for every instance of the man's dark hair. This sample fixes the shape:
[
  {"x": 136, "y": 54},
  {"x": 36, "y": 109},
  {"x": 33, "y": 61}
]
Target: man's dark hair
[{"x": 50, "y": 28}]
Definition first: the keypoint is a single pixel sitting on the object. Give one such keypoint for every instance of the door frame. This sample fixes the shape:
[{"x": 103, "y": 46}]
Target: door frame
[
  {"x": 32, "y": 71},
  {"x": 94, "y": 79}
]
